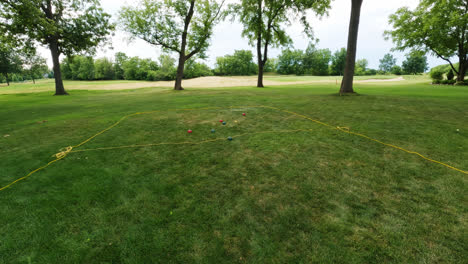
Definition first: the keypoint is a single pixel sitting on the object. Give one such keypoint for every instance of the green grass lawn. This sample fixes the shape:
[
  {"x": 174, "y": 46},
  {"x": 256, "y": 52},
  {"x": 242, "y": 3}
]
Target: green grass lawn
[{"x": 316, "y": 196}]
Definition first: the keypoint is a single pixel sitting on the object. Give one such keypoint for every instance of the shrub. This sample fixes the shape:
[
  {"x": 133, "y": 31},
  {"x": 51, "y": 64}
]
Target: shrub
[
  {"x": 462, "y": 83},
  {"x": 448, "y": 82},
  {"x": 152, "y": 76},
  {"x": 396, "y": 70},
  {"x": 240, "y": 63},
  {"x": 436, "y": 74},
  {"x": 436, "y": 82},
  {"x": 195, "y": 69},
  {"x": 450, "y": 75},
  {"x": 371, "y": 72}
]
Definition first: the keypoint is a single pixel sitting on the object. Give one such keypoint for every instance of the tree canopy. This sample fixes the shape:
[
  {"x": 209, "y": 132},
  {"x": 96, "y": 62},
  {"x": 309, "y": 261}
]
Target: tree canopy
[
  {"x": 439, "y": 27},
  {"x": 240, "y": 63},
  {"x": 338, "y": 62},
  {"x": 65, "y": 26},
  {"x": 180, "y": 26},
  {"x": 290, "y": 62},
  {"x": 387, "y": 63},
  {"x": 264, "y": 20},
  {"x": 10, "y": 59},
  {"x": 35, "y": 66},
  {"x": 316, "y": 61},
  {"x": 416, "y": 62}
]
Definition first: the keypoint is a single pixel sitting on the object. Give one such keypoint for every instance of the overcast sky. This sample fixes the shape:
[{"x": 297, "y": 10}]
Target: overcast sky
[{"x": 332, "y": 31}]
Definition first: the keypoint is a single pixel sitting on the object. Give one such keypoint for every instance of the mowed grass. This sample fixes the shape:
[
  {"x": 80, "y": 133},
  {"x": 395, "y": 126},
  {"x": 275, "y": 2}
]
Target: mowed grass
[{"x": 319, "y": 196}]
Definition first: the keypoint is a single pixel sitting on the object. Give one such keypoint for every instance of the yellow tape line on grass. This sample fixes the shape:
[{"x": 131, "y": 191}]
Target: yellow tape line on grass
[{"x": 72, "y": 149}]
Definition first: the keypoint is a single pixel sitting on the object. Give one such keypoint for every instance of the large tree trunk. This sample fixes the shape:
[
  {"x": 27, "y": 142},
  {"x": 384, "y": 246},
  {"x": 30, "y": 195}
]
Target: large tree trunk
[
  {"x": 180, "y": 73},
  {"x": 260, "y": 74},
  {"x": 348, "y": 77},
  {"x": 462, "y": 71},
  {"x": 183, "y": 46},
  {"x": 259, "y": 46},
  {"x": 59, "y": 89}
]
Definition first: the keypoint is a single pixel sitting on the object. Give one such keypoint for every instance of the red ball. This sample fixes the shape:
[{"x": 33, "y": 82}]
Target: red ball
[
  {"x": 243, "y": 114},
  {"x": 221, "y": 121},
  {"x": 190, "y": 131}
]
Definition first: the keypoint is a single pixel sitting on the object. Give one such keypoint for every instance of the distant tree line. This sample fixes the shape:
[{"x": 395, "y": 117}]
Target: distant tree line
[
  {"x": 20, "y": 64},
  {"x": 318, "y": 62},
  {"x": 129, "y": 68},
  {"x": 312, "y": 61}
]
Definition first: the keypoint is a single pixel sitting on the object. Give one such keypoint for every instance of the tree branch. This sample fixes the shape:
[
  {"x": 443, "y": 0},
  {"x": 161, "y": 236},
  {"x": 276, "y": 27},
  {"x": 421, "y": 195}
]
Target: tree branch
[
  {"x": 201, "y": 43},
  {"x": 157, "y": 42},
  {"x": 270, "y": 27},
  {"x": 440, "y": 56}
]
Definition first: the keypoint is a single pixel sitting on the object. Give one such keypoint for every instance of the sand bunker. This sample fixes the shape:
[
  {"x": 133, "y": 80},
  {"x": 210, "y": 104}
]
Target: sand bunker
[{"x": 215, "y": 82}]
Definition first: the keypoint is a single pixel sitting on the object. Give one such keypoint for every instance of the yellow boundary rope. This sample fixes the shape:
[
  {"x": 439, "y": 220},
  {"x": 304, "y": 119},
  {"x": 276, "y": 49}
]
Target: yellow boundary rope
[{"x": 64, "y": 152}]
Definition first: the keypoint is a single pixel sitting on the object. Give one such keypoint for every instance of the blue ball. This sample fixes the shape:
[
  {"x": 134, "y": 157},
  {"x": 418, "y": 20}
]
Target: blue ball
[
  {"x": 212, "y": 130},
  {"x": 230, "y": 138},
  {"x": 224, "y": 123}
]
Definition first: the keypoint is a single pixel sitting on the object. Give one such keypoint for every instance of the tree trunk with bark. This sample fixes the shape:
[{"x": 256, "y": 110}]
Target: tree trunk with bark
[
  {"x": 59, "y": 88},
  {"x": 180, "y": 72},
  {"x": 462, "y": 70},
  {"x": 260, "y": 74},
  {"x": 183, "y": 46},
  {"x": 348, "y": 77},
  {"x": 7, "y": 81},
  {"x": 259, "y": 46}
]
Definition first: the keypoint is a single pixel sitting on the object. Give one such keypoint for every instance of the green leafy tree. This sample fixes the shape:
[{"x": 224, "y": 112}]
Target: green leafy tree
[
  {"x": 131, "y": 68},
  {"x": 396, "y": 70},
  {"x": 290, "y": 62},
  {"x": 264, "y": 21},
  {"x": 168, "y": 70},
  {"x": 348, "y": 76},
  {"x": 120, "y": 59},
  {"x": 436, "y": 74},
  {"x": 415, "y": 63},
  {"x": 338, "y": 62},
  {"x": 439, "y": 27},
  {"x": 35, "y": 66},
  {"x": 78, "y": 68},
  {"x": 270, "y": 66},
  {"x": 450, "y": 75},
  {"x": 195, "y": 69},
  {"x": 181, "y": 26},
  {"x": 86, "y": 70},
  {"x": 104, "y": 69},
  {"x": 64, "y": 26},
  {"x": 10, "y": 59},
  {"x": 387, "y": 63},
  {"x": 316, "y": 61},
  {"x": 370, "y": 71},
  {"x": 361, "y": 67},
  {"x": 241, "y": 63}
]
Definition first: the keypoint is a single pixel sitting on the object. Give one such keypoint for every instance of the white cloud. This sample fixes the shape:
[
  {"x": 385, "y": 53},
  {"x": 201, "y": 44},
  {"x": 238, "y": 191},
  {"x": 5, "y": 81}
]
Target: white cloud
[{"x": 332, "y": 32}]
